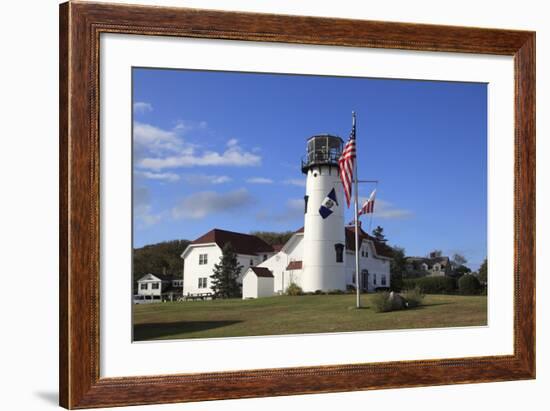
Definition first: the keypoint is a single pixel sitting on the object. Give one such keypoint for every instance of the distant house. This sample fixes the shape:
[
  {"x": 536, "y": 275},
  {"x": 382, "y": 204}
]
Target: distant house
[
  {"x": 258, "y": 282},
  {"x": 156, "y": 287},
  {"x": 434, "y": 266}
]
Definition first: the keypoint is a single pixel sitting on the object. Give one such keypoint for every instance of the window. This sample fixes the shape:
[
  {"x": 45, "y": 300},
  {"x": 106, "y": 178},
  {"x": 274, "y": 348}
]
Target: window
[
  {"x": 155, "y": 286},
  {"x": 251, "y": 262},
  {"x": 383, "y": 279},
  {"x": 339, "y": 248},
  {"x": 374, "y": 279},
  {"x": 143, "y": 286},
  {"x": 305, "y": 203},
  {"x": 203, "y": 259},
  {"x": 202, "y": 282},
  {"x": 265, "y": 257}
]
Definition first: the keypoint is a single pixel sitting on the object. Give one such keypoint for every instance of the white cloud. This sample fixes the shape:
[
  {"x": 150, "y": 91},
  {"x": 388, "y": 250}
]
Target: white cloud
[
  {"x": 233, "y": 156},
  {"x": 185, "y": 126},
  {"x": 199, "y": 205},
  {"x": 300, "y": 182},
  {"x": 206, "y": 179},
  {"x": 386, "y": 210},
  {"x": 259, "y": 180},
  {"x": 158, "y": 149},
  {"x": 142, "y": 208},
  {"x": 170, "y": 177},
  {"x": 142, "y": 107},
  {"x": 156, "y": 140}
]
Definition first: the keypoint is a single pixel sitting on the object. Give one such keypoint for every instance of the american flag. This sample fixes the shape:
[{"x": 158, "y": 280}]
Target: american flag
[
  {"x": 346, "y": 163},
  {"x": 368, "y": 206}
]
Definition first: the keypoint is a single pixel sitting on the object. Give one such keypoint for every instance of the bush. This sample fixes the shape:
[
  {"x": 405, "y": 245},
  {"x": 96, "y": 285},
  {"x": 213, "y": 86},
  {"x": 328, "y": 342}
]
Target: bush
[
  {"x": 413, "y": 297},
  {"x": 381, "y": 302},
  {"x": 468, "y": 284},
  {"x": 432, "y": 285},
  {"x": 294, "y": 289},
  {"x": 335, "y": 292},
  {"x": 319, "y": 292}
]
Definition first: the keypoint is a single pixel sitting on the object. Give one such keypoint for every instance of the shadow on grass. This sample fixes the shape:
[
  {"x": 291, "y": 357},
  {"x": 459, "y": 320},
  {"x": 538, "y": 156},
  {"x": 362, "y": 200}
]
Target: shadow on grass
[
  {"x": 144, "y": 332},
  {"x": 420, "y": 307}
]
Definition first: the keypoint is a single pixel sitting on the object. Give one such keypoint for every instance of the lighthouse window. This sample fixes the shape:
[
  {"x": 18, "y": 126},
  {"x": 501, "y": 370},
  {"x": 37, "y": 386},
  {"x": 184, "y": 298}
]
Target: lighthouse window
[
  {"x": 339, "y": 248},
  {"x": 305, "y": 203}
]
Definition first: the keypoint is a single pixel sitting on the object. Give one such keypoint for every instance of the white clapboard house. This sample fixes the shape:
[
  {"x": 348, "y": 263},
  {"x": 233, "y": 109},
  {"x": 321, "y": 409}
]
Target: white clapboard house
[
  {"x": 319, "y": 256},
  {"x": 156, "y": 287}
]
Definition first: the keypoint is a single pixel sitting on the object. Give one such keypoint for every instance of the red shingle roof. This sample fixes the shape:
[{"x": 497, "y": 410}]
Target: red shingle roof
[
  {"x": 262, "y": 272},
  {"x": 278, "y": 247},
  {"x": 294, "y": 265},
  {"x": 382, "y": 249},
  {"x": 242, "y": 243}
]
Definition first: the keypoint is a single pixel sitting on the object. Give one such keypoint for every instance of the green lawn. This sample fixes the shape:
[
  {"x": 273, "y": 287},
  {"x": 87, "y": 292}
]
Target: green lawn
[{"x": 298, "y": 315}]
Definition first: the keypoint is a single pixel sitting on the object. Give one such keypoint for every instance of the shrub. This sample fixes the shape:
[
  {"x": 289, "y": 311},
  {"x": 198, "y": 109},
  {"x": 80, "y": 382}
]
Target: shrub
[
  {"x": 468, "y": 284},
  {"x": 432, "y": 285},
  {"x": 294, "y": 289},
  {"x": 319, "y": 292},
  {"x": 381, "y": 302},
  {"x": 335, "y": 292},
  {"x": 413, "y": 297}
]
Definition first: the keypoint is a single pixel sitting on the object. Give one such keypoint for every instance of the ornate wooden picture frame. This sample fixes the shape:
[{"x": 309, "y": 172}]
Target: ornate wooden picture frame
[{"x": 81, "y": 25}]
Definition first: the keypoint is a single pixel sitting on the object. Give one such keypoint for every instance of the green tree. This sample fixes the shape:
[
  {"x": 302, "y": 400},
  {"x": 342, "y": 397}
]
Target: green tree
[
  {"x": 397, "y": 268},
  {"x": 273, "y": 237},
  {"x": 460, "y": 271},
  {"x": 226, "y": 273},
  {"x": 378, "y": 233},
  {"x": 482, "y": 273},
  {"x": 458, "y": 260},
  {"x": 435, "y": 254}
]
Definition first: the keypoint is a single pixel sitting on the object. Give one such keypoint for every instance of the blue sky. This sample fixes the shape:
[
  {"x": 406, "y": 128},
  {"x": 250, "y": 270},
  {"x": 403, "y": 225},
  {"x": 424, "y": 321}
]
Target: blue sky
[{"x": 223, "y": 150}]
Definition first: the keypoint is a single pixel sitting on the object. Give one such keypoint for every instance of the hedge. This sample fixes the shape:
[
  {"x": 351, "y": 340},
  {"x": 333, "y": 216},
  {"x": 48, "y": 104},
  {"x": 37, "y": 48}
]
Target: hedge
[
  {"x": 432, "y": 285},
  {"x": 469, "y": 285}
]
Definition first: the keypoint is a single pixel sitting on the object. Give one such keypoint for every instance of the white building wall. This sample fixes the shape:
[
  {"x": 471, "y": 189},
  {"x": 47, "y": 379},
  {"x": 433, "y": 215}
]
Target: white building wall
[
  {"x": 378, "y": 266},
  {"x": 150, "y": 291},
  {"x": 256, "y": 287},
  {"x": 265, "y": 286},
  {"x": 192, "y": 270},
  {"x": 250, "y": 285},
  {"x": 277, "y": 263},
  {"x": 320, "y": 269}
]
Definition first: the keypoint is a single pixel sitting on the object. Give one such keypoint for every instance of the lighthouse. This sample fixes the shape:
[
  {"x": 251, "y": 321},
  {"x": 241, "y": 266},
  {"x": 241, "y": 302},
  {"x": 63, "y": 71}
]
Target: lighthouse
[{"x": 324, "y": 236}]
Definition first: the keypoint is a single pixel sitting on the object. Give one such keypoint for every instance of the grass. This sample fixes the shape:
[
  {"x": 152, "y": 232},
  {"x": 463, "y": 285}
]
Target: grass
[{"x": 298, "y": 315}]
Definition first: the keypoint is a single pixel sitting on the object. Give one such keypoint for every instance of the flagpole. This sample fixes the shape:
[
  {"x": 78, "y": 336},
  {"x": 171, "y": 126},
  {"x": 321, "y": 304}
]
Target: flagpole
[{"x": 356, "y": 210}]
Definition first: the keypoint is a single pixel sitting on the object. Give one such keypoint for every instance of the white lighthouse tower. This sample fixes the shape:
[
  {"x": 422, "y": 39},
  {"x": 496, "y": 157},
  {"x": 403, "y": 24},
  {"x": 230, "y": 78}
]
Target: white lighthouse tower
[{"x": 324, "y": 236}]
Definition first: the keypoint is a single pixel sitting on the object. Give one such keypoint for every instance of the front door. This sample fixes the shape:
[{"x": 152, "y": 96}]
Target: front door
[{"x": 364, "y": 280}]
